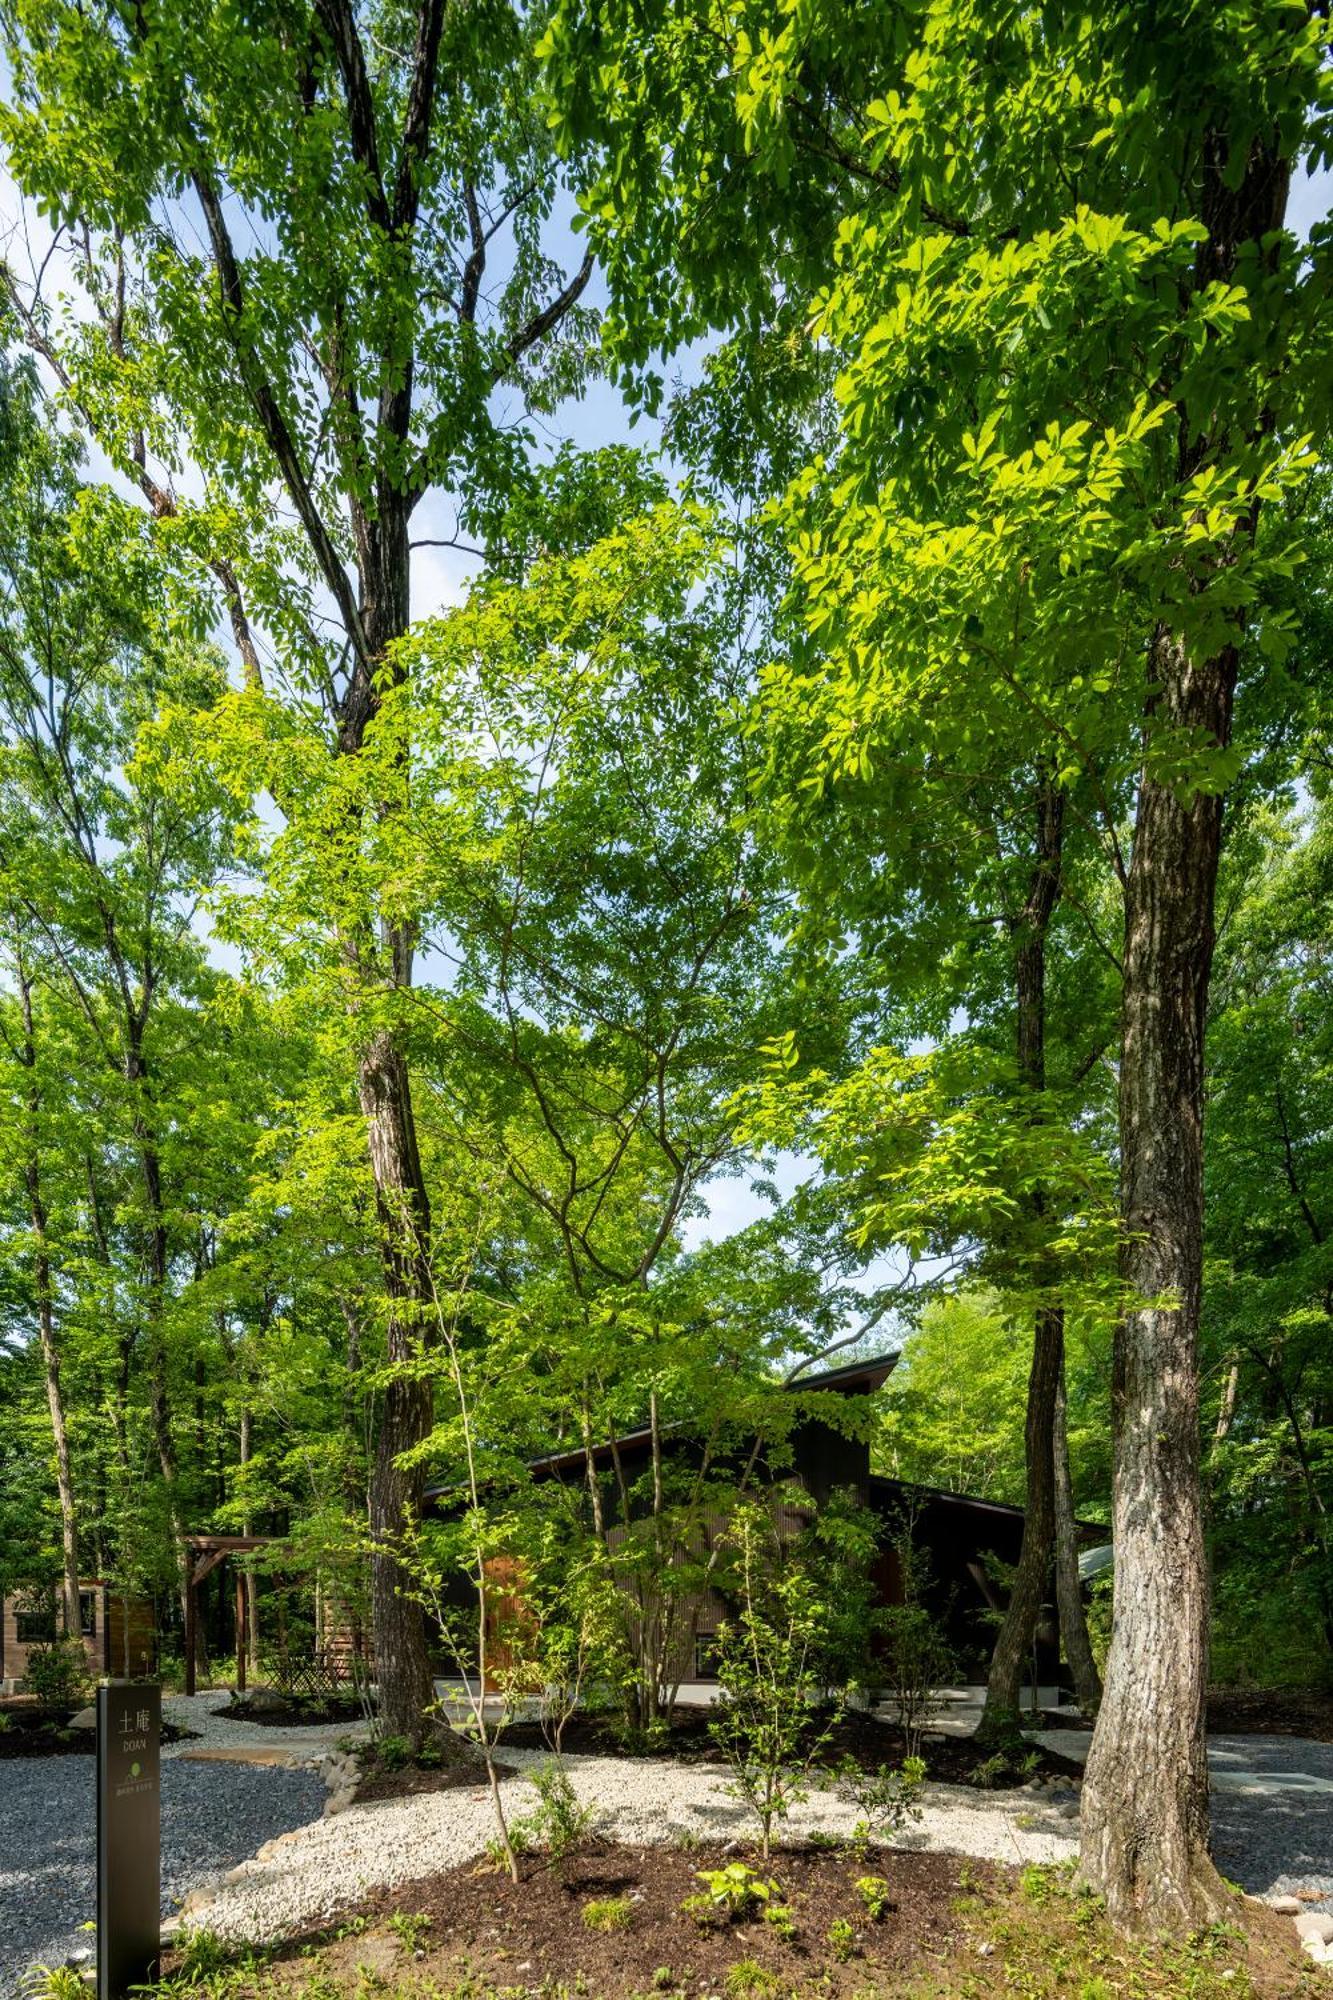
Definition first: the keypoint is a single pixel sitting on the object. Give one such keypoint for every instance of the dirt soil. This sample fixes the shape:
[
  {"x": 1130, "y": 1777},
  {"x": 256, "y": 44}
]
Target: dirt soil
[
  {"x": 952, "y": 1760},
  {"x": 273, "y": 1713},
  {"x": 1304, "y": 1712},
  {"x": 954, "y": 1929},
  {"x": 409, "y": 1779}
]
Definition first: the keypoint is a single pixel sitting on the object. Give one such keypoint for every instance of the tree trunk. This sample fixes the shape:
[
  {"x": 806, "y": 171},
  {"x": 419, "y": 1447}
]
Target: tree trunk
[
  {"x": 1145, "y": 1797},
  {"x": 42, "y": 1285},
  {"x": 1013, "y": 1646},
  {"x": 1145, "y": 1793},
  {"x": 1068, "y": 1589},
  {"x": 402, "y": 1666}
]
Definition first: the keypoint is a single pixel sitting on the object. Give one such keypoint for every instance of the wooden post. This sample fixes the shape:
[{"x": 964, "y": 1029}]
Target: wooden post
[
  {"x": 240, "y": 1631},
  {"x": 191, "y": 1620}
]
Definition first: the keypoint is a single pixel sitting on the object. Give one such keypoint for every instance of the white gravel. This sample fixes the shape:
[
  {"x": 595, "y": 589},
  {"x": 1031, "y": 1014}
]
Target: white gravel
[{"x": 306, "y": 1876}]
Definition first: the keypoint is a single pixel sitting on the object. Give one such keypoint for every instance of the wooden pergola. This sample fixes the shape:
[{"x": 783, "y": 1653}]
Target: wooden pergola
[{"x": 206, "y": 1552}]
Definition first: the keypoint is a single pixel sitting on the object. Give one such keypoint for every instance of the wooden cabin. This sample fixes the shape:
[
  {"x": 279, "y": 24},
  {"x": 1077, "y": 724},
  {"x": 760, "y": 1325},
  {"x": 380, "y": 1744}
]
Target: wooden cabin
[
  {"x": 961, "y": 1538},
  {"x": 119, "y": 1632}
]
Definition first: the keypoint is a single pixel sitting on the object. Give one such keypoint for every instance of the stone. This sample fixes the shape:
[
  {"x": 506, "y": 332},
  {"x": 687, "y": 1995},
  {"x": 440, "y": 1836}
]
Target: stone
[
  {"x": 1284, "y": 1906},
  {"x": 85, "y": 1718},
  {"x": 338, "y": 1802},
  {"x": 266, "y": 1701},
  {"x": 1312, "y": 1925},
  {"x": 198, "y": 1899}
]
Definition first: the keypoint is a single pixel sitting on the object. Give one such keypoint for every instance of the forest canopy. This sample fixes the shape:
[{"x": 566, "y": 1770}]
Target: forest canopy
[{"x": 664, "y": 718}]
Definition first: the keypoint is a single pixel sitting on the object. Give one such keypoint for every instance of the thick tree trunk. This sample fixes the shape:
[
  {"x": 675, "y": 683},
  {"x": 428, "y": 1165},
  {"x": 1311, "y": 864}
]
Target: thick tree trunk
[
  {"x": 1068, "y": 1589},
  {"x": 1145, "y": 1796},
  {"x": 1013, "y": 1646}
]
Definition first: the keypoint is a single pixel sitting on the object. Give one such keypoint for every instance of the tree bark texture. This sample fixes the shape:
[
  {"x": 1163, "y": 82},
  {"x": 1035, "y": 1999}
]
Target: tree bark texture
[
  {"x": 1145, "y": 1835},
  {"x": 45, "y": 1295},
  {"x": 402, "y": 1664},
  {"x": 1145, "y": 1797},
  {"x": 1068, "y": 1589},
  {"x": 1013, "y": 1645}
]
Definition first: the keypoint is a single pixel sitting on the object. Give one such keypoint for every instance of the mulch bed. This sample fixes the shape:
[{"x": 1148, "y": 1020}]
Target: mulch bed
[
  {"x": 272, "y": 1713},
  {"x": 406, "y": 1782},
  {"x": 951, "y": 1760},
  {"x": 1272, "y": 1712},
  {"x": 955, "y": 1929},
  {"x": 523, "y": 1934},
  {"x": 32, "y": 1737}
]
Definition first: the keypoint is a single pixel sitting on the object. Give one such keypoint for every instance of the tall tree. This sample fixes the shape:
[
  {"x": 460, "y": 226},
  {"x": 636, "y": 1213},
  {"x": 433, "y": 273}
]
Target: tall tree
[
  {"x": 1078, "y": 366},
  {"x": 319, "y": 264}
]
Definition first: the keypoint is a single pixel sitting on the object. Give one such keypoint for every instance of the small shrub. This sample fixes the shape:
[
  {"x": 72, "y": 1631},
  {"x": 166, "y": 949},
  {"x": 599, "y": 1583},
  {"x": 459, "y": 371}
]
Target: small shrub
[
  {"x": 392, "y": 1753},
  {"x": 885, "y": 1798},
  {"x": 608, "y": 1913},
  {"x": 747, "y": 1979},
  {"x": 875, "y": 1895},
  {"x": 54, "y": 1982},
  {"x": 521, "y": 1839},
  {"x": 842, "y": 1939},
  {"x": 6, "y": 1720},
  {"x": 202, "y": 1954},
  {"x": 992, "y": 1772},
  {"x": 780, "y": 1918},
  {"x": 770, "y": 1662},
  {"x": 664, "y": 1979},
  {"x": 729, "y": 1893},
  {"x": 558, "y": 1823},
  {"x": 58, "y": 1674},
  {"x": 410, "y": 1928}
]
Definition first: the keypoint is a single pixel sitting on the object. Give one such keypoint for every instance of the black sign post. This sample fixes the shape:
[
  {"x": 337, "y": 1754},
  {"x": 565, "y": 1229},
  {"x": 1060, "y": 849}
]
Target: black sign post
[{"x": 129, "y": 1836}]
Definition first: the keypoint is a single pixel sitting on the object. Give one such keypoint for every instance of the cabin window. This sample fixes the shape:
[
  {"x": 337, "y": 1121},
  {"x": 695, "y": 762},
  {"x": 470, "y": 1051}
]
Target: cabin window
[
  {"x": 87, "y": 1614},
  {"x": 705, "y": 1656},
  {"x": 35, "y": 1624}
]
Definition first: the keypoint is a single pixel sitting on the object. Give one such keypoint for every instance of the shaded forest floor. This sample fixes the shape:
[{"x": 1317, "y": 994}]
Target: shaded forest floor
[{"x": 608, "y": 1924}]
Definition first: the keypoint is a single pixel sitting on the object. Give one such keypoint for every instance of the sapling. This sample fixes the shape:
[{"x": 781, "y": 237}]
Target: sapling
[{"x": 769, "y": 1655}]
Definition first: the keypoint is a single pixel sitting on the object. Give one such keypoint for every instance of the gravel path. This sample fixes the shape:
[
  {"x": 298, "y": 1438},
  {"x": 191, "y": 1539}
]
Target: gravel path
[
  {"x": 213, "y": 1815},
  {"x": 199, "y": 1714},
  {"x": 1273, "y": 1814}
]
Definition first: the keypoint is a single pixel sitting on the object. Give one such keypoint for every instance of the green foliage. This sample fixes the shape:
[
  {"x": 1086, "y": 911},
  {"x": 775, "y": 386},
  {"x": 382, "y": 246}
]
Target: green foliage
[
  {"x": 876, "y": 1896},
  {"x": 747, "y": 1979},
  {"x": 730, "y": 1894},
  {"x": 885, "y": 1798},
  {"x": 54, "y": 1982},
  {"x": 772, "y": 1663},
  {"x": 608, "y": 1913},
  {"x": 411, "y": 1928},
  {"x": 842, "y": 1939},
  {"x": 558, "y": 1824},
  {"x": 58, "y": 1674}
]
